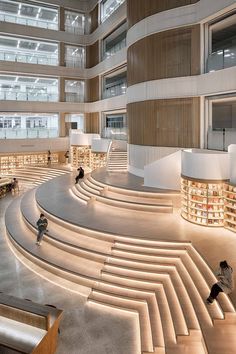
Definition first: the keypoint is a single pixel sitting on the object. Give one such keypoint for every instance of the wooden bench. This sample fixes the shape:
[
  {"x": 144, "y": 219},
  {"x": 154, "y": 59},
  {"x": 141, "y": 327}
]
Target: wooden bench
[{"x": 27, "y": 327}]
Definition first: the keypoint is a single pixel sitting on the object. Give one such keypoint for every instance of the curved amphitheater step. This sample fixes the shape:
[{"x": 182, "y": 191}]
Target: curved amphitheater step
[
  {"x": 35, "y": 175},
  {"x": 164, "y": 282},
  {"x": 88, "y": 191}
]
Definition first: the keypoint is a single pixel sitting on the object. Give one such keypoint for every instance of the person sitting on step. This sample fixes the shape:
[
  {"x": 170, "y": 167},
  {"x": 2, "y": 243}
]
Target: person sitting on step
[{"x": 224, "y": 284}]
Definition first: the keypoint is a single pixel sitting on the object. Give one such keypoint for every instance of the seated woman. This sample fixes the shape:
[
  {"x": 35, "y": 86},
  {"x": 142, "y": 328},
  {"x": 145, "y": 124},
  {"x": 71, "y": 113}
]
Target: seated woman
[{"x": 224, "y": 284}]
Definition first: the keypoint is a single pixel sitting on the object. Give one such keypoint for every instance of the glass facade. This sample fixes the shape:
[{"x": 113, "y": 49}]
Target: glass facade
[
  {"x": 115, "y": 41},
  {"x": 114, "y": 84},
  {"x": 28, "y": 125},
  {"x": 76, "y": 121},
  {"x": 29, "y": 14},
  {"x": 74, "y": 56},
  {"x": 108, "y": 7},
  {"x": 74, "y": 22},
  {"x": 28, "y": 51},
  {"x": 222, "y": 44},
  {"x": 74, "y": 91},
  {"x": 25, "y": 88},
  {"x": 115, "y": 126}
]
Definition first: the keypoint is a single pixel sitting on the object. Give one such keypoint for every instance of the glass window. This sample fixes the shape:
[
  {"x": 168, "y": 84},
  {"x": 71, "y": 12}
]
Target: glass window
[
  {"x": 74, "y": 56},
  {"x": 24, "y": 88},
  {"x": 74, "y": 91},
  {"x": 75, "y": 119},
  {"x": 108, "y": 7},
  {"x": 29, "y": 14},
  {"x": 114, "y": 84},
  {"x": 115, "y": 41},
  {"x": 28, "y": 125},
  {"x": 74, "y": 22},
  {"x": 222, "y": 45},
  {"x": 28, "y": 51},
  {"x": 114, "y": 126}
]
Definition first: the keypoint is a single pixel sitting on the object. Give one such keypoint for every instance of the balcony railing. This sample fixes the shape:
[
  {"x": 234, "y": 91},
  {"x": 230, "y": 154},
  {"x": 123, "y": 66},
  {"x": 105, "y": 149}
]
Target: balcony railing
[
  {"x": 224, "y": 58},
  {"x": 73, "y": 97},
  {"x": 24, "y": 96},
  {"x": 29, "y": 58},
  {"x": 114, "y": 133},
  {"x": 115, "y": 90},
  {"x": 108, "y": 53},
  {"x": 30, "y": 133},
  {"x": 29, "y": 21},
  {"x": 220, "y": 139}
]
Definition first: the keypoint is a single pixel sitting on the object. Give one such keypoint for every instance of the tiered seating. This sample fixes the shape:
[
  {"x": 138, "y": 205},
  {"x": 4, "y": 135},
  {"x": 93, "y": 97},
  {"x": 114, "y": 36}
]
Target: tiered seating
[
  {"x": 164, "y": 283},
  {"x": 34, "y": 175},
  {"x": 90, "y": 190}
]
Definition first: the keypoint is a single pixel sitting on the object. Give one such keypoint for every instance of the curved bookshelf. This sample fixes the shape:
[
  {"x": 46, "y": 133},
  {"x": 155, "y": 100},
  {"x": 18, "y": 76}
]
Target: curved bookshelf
[{"x": 203, "y": 201}]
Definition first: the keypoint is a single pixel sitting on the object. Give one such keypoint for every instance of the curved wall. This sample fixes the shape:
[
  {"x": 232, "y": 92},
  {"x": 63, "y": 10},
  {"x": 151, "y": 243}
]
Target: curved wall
[
  {"x": 166, "y": 54},
  {"x": 140, "y": 9},
  {"x": 165, "y": 80},
  {"x": 169, "y": 123}
]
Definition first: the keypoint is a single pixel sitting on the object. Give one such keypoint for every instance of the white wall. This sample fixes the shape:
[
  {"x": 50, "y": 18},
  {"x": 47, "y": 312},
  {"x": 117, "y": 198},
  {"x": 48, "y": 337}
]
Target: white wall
[
  {"x": 100, "y": 145},
  {"x": 139, "y": 156},
  {"x": 77, "y": 138},
  {"x": 164, "y": 173},
  {"x": 33, "y": 145},
  {"x": 205, "y": 164},
  {"x": 220, "y": 81}
]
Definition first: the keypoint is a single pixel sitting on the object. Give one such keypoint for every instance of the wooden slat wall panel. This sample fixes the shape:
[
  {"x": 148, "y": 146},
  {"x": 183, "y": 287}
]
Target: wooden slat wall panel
[
  {"x": 168, "y": 122},
  {"x": 172, "y": 53},
  {"x": 92, "y": 55},
  {"x": 92, "y": 123},
  {"x": 94, "y": 19},
  {"x": 140, "y": 9},
  {"x": 92, "y": 89}
]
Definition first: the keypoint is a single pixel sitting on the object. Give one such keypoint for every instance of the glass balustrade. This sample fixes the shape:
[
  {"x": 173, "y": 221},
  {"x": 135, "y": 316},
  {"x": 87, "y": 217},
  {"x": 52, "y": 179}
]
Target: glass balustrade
[
  {"x": 113, "y": 50},
  {"x": 220, "y": 139},
  {"x": 74, "y": 56},
  {"x": 25, "y": 88},
  {"x": 6, "y": 95},
  {"x": 108, "y": 7},
  {"x": 114, "y": 133},
  {"x": 29, "y": 58},
  {"x": 74, "y": 22},
  {"x": 28, "y": 133},
  {"x": 115, "y": 90},
  {"x": 29, "y": 14},
  {"x": 223, "y": 58},
  {"x": 74, "y": 91}
]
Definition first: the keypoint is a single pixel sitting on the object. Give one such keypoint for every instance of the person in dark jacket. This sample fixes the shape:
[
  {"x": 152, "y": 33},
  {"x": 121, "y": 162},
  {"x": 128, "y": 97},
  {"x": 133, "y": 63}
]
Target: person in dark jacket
[
  {"x": 42, "y": 225},
  {"x": 80, "y": 175},
  {"x": 224, "y": 284}
]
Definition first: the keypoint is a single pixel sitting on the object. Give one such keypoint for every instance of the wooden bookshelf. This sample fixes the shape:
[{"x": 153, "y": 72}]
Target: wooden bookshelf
[
  {"x": 83, "y": 156},
  {"x": 230, "y": 207},
  {"x": 202, "y": 202},
  {"x": 13, "y": 161}
]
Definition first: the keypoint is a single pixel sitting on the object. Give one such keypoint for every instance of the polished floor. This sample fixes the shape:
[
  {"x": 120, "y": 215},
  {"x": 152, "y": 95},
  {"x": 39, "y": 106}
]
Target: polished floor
[{"x": 85, "y": 329}]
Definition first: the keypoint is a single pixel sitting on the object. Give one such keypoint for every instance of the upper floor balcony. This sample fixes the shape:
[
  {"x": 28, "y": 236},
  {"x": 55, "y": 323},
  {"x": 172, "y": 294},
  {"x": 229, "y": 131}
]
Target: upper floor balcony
[{"x": 29, "y": 14}]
